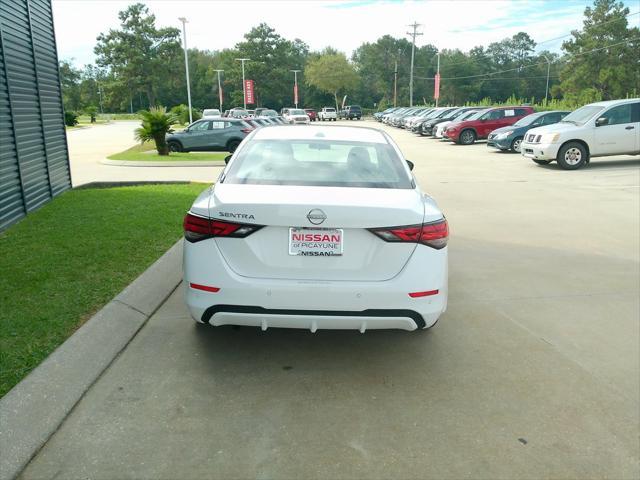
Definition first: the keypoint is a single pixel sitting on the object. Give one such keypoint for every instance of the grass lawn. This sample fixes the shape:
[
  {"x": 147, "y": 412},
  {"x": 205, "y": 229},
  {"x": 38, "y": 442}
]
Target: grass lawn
[
  {"x": 140, "y": 153},
  {"x": 65, "y": 261}
]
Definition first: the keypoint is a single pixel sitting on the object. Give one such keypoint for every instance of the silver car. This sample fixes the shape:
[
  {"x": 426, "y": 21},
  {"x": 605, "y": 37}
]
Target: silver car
[{"x": 210, "y": 135}]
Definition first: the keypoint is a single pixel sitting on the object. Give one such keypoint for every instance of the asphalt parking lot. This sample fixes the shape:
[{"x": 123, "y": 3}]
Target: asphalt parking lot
[{"x": 533, "y": 371}]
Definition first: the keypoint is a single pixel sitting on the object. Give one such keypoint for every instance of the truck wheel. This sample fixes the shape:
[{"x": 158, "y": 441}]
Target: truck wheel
[
  {"x": 542, "y": 162},
  {"x": 516, "y": 144},
  {"x": 572, "y": 156},
  {"x": 467, "y": 137}
]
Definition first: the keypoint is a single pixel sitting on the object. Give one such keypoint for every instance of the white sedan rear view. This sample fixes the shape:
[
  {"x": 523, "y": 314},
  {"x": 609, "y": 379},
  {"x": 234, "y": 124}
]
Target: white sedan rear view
[{"x": 321, "y": 227}]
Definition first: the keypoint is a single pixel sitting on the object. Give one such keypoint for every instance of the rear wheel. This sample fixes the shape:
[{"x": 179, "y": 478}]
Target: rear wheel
[
  {"x": 542, "y": 162},
  {"x": 572, "y": 156},
  {"x": 174, "y": 146},
  {"x": 516, "y": 144},
  {"x": 232, "y": 145},
  {"x": 467, "y": 137}
]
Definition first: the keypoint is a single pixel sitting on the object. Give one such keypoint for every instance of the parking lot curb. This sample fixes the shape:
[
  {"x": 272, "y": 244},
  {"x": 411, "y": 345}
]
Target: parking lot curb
[
  {"x": 35, "y": 408},
  {"x": 187, "y": 163}
]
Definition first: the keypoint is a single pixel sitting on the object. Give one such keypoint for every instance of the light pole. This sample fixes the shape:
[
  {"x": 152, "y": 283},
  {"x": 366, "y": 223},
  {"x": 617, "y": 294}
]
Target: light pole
[
  {"x": 186, "y": 65},
  {"x": 295, "y": 86},
  {"x": 219, "y": 89},
  {"x": 546, "y": 93},
  {"x": 413, "y": 35},
  {"x": 438, "y": 80},
  {"x": 244, "y": 90}
]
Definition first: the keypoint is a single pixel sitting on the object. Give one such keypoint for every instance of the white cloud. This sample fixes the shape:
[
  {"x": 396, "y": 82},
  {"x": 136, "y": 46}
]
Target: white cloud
[{"x": 220, "y": 24}]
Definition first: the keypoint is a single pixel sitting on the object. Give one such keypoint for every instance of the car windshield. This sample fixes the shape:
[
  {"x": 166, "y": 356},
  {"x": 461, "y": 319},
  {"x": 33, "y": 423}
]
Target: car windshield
[
  {"x": 478, "y": 114},
  {"x": 528, "y": 120},
  {"x": 312, "y": 162},
  {"x": 269, "y": 113},
  {"x": 329, "y": 109},
  {"x": 582, "y": 114},
  {"x": 296, "y": 111}
]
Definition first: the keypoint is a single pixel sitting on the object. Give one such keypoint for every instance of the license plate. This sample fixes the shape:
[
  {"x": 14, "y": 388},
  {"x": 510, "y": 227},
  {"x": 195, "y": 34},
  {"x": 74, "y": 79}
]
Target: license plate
[{"x": 316, "y": 242}]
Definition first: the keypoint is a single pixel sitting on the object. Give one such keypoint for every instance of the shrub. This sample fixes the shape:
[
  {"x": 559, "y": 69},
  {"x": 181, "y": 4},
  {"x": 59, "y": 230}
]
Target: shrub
[
  {"x": 156, "y": 123},
  {"x": 70, "y": 119},
  {"x": 92, "y": 111}
]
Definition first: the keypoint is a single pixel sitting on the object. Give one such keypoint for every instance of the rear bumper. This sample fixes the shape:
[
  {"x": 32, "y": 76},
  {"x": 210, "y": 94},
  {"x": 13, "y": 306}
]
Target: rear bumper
[
  {"x": 540, "y": 151},
  {"x": 312, "y": 305}
]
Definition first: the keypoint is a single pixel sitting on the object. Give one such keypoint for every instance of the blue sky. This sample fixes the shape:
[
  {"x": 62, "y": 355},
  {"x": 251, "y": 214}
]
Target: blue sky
[{"x": 344, "y": 25}]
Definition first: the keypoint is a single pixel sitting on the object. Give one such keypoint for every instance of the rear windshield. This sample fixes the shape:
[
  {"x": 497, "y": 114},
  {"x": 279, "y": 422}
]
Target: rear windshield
[
  {"x": 296, "y": 111},
  {"x": 328, "y": 163},
  {"x": 329, "y": 109}
]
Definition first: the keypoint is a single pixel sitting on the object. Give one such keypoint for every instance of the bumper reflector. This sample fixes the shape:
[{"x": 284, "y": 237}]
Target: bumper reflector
[
  {"x": 423, "y": 294},
  {"x": 205, "y": 288}
]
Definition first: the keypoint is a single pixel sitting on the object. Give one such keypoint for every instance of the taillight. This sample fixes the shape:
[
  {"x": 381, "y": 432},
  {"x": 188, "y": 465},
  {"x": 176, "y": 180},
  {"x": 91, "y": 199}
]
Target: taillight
[
  {"x": 434, "y": 234},
  {"x": 200, "y": 228},
  {"x": 247, "y": 130}
]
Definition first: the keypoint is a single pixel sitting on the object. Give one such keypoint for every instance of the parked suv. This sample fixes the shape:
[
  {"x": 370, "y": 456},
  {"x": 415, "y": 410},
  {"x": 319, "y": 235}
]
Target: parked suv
[
  {"x": 210, "y": 135},
  {"x": 510, "y": 138},
  {"x": 596, "y": 130},
  {"x": 328, "y": 113},
  {"x": 350, "y": 112},
  {"x": 313, "y": 116},
  {"x": 467, "y": 132}
]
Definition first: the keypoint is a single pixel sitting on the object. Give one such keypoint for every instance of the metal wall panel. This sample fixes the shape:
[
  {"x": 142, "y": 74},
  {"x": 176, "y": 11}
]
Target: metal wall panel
[{"x": 34, "y": 160}]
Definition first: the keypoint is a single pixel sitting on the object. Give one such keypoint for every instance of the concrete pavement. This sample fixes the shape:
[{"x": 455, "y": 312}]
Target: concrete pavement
[
  {"x": 532, "y": 373},
  {"x": 88, "y": 146}
]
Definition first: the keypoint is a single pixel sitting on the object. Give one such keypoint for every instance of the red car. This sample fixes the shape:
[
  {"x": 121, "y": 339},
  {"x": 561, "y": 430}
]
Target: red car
[
  {"x": 313, "y": 116},
  {"x": 468, "y": 131}
]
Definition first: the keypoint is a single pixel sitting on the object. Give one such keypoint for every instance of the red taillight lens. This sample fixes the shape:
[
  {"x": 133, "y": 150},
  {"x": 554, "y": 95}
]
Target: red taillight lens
[
  {"x": 434, "y": 235},
  {"x": 247, "y": 130},
  {"x": 200, "y": 228}
]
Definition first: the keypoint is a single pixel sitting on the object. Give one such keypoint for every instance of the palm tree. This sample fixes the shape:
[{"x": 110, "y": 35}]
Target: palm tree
[{"x": 156, "y": 123}]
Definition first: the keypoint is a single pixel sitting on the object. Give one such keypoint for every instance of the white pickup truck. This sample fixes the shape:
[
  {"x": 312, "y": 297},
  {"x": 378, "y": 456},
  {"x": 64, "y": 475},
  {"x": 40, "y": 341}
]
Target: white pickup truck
[
  {"x": 328, "y": 113},
  {"x": 597, "y": 130}
]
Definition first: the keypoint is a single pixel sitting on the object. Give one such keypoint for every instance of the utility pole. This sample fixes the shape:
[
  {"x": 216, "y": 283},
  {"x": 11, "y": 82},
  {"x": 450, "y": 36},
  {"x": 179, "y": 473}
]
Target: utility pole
[
  {"x": 295, "y": 86},
  {"x": 186, "y": 64},
  {"x": 438, "y": 75},
  {"x": 413, "y": 35},
  {"x": 244, "y": 90},
  {"x": 220, "y": 89},
  {"x": 546, "y": 93},
  {"x": 395, "y": 85}
]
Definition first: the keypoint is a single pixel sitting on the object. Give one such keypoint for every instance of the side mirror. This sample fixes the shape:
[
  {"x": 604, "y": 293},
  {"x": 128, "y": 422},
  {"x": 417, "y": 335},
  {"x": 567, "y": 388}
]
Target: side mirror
[
  {"x": 227, "y": 158},
  {"x": 602, "y": 121},
  {"x": 410, "y": 163}
]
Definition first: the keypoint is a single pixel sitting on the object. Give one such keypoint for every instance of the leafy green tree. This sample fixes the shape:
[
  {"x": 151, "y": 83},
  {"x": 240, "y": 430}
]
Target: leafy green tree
[
  {"x": 70, "y": 79},
  {"x": 331, "y": 73},
  {"x": 607, "y": 73},
  {"x": 156, "y": 123},
  {"x": 142, "y": 56}
]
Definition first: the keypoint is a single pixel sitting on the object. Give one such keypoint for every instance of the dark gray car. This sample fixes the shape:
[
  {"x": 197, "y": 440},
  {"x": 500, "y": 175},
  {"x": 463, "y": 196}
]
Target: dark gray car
[{"x": 210, "y": 135}]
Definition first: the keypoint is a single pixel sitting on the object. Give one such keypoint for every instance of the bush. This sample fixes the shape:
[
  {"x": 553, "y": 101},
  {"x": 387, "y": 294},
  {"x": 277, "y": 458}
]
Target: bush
[
  {"x": 70, "y": 119},
  {"x": 182, "y": 113},
  {"x": 92, "y": 111},
  {"x": 156, "y": 123}
]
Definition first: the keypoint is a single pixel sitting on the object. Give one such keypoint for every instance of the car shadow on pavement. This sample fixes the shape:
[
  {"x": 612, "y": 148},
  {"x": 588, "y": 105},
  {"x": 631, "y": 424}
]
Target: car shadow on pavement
[{"x": 600, "y": 164}]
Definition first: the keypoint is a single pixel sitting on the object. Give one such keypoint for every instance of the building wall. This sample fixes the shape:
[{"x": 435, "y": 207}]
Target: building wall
[{"x": 34, "y": 158}]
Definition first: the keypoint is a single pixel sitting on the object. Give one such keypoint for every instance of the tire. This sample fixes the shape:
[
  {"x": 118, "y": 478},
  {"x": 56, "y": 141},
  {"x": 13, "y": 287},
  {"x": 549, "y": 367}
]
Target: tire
[
  {"x": 542, "y": 162},
  {"x": 174, "y": 146},
  {"x": 516, "y": 144},
  {"x": 467, "y": 137},
  {"x": 232, "y": 145},
  {"x": 572, "y": 156}
]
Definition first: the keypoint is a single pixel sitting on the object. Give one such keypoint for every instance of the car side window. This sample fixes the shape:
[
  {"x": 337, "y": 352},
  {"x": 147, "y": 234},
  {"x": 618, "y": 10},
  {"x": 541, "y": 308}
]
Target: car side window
[
  {"x": 618, "y": 115},
  {"x": 494, "y": 115},
  {"x": 521, "y": 112},
  {"x": 218, "y": 125},
  {"x": 635, "y": 112},
  {"x": 200, "y": 126}
]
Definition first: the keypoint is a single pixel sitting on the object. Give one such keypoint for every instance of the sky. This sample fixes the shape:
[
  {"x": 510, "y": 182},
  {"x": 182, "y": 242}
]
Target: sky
[{"x": 345, "y": 25}]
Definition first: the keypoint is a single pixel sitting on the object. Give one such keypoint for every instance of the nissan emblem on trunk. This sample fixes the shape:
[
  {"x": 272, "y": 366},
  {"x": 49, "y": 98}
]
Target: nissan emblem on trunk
[{"x": 316, "y": 216}]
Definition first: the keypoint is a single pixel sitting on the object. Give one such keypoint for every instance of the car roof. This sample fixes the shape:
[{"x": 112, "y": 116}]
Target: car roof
[
  {"x": 609, "y": 103},
  {"x": 321, "y": 132}
]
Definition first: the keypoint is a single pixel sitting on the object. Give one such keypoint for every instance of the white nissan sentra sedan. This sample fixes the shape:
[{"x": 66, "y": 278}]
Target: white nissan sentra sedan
[{"x": 316, "y": 228}]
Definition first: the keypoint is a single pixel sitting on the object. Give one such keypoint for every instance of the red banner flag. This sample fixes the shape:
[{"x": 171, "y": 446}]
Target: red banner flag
[
  {"x": 295, "y": 93},
  {"x": 248, "y": 91},
  {"x": 220, "y": 96},
  {"x": 436, "y": 90}
]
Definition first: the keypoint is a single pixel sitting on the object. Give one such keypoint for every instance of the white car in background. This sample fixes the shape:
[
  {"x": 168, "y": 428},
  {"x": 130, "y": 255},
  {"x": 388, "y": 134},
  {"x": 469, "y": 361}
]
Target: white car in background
[
  {"x": 316, "y": 228},
  {"x": 296, "y": 116},
  {"x": 328, "y": 114},
  {"x": 211, "y": 112},
  {"x": 441, "y": 127},
  {"x": 596, "y": 130}
]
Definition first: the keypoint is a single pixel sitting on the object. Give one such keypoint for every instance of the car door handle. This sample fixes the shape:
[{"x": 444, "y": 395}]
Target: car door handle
[{"x": 630, "y": 127}]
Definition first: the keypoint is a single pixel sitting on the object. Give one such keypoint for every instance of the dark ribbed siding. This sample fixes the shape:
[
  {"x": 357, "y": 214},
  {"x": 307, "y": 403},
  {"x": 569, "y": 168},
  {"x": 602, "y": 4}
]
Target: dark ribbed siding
[{"x": 34, "y": 161}]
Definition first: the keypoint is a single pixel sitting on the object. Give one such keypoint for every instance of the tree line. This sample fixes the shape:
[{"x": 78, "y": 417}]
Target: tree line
[{"x": 140, "y": 65}]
